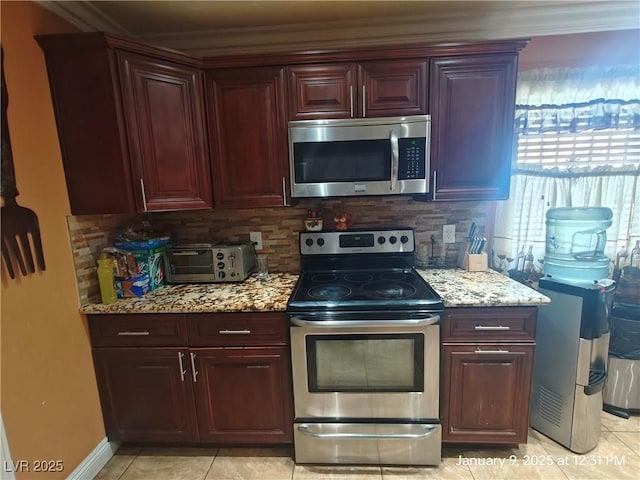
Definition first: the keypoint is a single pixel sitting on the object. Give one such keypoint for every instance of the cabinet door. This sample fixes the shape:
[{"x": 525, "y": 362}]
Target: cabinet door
[
  {"x": 392, "y": 88},
  {"x": 90, "y": 125},
  {"x": 164, "y": 113},
  {"x": 146, "y": 394},
  {"x": 248, "y": 133},
  {"x": 486, "y": 391},
  {"x": 471, "y": 102},
  {"x": 243, "y": 395},
  {"x": 322, "y": 91}
]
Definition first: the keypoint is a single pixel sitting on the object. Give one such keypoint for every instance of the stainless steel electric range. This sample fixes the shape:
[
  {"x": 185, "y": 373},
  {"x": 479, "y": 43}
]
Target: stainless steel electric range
[{"x": 365, "y": 351}]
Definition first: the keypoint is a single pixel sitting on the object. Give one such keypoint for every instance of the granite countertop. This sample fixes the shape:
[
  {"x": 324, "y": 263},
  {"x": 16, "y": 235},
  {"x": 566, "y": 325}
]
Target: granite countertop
[
  {"x": 251, "y": 295},
  {"x": 458, "y": 288}
]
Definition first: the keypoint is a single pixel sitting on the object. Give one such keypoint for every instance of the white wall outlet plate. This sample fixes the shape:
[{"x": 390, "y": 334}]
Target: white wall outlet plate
[
  {"x": 449, "y": 234},
  {"x": 256, "y": 238}
]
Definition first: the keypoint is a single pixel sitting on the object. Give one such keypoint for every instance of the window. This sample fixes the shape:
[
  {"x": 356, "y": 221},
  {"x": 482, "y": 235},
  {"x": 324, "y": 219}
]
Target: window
[
  {"x": 616, "y": 148},
  {"x": 578, "y": 146}
]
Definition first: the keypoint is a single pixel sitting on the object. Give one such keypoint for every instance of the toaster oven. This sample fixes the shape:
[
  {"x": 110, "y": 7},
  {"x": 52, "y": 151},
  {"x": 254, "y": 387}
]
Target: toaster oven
[{"x": 209, "y": 262}]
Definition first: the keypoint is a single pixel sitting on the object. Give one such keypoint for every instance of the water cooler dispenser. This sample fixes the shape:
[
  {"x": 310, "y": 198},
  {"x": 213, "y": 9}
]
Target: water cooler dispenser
[
  {"x": 573, "y": 331},
  {"x": 570, "y": 366}
]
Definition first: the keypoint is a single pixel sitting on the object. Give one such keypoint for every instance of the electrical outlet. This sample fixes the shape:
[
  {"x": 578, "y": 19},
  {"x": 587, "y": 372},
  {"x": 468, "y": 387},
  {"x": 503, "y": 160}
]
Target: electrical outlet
[
  {"x": 449, "y": 234},
  {"x": 256, "y": 238}
]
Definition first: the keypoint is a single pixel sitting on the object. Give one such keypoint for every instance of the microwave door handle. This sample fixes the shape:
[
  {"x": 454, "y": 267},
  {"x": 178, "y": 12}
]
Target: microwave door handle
[{"x": 394, "y": 159}]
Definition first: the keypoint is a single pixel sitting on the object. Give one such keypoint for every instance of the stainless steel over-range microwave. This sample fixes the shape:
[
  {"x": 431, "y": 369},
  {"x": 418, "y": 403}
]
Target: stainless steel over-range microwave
[{"x": 363, "y": 156}]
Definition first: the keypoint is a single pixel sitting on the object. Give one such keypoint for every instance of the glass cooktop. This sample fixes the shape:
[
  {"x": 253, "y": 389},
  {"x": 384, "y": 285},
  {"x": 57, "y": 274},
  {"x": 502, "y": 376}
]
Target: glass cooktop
[{"x": 363, "y": 290}]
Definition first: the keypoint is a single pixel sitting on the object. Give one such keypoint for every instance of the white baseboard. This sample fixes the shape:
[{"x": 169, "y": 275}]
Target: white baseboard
[
  {"x": 95, "y": 461},
  {"x": 5, "y": 455}
]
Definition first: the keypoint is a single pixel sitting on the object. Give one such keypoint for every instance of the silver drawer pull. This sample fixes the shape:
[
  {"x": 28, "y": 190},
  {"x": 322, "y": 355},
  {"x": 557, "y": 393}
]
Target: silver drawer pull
[
  {"x": 257, "y": 366},
  {"x": 133, "y": 334},
  {"x": 234, "y": 332},
  {"x": 492, "y": 351},
  {"x": 308, "y": 430},
  {"x": 182, "y": 370},
  {"x": 194, "y": 372},
  {"x": 491, "y": 327}
]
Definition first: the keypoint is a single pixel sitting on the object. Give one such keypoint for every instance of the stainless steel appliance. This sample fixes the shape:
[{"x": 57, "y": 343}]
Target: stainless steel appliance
[
  {"x": 570, "y": 366},
  {"x": 363, "y": 156},
  {"x": 209, "y": 262},
  {"x": 622, "y": 388},
  {"x": 365, "y": 351}
]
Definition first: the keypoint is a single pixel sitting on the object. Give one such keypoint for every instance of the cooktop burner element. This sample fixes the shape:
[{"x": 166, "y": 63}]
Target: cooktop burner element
[
  {"x": 329, "y": 292},
  {"x": 388, "y": 290},
  {"x": 360, "y": 270}
]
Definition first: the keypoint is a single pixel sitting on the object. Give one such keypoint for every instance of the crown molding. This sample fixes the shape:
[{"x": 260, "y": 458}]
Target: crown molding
[
  {"x": 514, "y": 20},
  {"x": 84, "y": 16}
]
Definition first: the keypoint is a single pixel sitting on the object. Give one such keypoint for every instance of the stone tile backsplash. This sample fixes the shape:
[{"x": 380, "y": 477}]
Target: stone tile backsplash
[{"x": 89, "y": 234}]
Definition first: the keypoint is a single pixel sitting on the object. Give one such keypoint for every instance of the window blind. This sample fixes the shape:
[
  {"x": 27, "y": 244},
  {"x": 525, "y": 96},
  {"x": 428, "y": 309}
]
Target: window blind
[{"x": 596, "y": 148}]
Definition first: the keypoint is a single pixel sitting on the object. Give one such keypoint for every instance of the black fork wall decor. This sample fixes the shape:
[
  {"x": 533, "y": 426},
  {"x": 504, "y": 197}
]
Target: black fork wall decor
[{"x": 20, "y": 227}]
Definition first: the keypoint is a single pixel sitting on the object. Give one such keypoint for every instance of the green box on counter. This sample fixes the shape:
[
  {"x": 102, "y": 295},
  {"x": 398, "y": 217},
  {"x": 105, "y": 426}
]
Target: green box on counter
[{"x": 149, "y": 257}]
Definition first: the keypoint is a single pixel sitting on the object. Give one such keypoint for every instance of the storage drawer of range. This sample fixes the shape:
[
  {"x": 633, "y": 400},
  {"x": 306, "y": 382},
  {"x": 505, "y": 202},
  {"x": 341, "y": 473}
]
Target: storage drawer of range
[
  {"x": 489, "y": 324},
  {"x": 140, "y": 329},
  {"x": 237, "y": 329}
]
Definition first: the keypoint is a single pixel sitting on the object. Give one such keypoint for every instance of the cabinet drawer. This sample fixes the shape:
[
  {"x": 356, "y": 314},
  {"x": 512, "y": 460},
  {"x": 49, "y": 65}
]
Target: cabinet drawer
[
  {"x": 489, "y": 324},
  {"x": 237, "y": 329},
  {"x": 165, "y": 329}
]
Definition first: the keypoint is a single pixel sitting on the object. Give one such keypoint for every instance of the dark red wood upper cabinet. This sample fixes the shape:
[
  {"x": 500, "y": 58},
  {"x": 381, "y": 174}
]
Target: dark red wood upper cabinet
[
  {"x": 471, "y": 102},
  {"x": 248, "y": 135},
  {"x": 322, "y": 91},
  {"x": 392, "y": 88},
  {"x": 381, "y": 88},
  {"x": 90, "y": 129},
  {"x": 127, "y": 116},
  {"x": 164, "y": 114}
]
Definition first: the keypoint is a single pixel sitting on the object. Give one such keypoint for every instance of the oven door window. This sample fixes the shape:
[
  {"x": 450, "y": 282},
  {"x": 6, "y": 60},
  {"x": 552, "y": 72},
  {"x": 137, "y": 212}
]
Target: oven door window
[
  {"x": 365, "y": 363},
  {"x": 342, "y": 161}
]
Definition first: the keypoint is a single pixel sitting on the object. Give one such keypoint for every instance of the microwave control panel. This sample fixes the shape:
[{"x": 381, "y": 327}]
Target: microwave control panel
[{"x": 412, "y": 158}]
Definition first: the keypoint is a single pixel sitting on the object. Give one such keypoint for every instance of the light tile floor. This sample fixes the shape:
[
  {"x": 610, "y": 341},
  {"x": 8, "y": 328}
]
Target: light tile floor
[{"x": 616, "y": 457}]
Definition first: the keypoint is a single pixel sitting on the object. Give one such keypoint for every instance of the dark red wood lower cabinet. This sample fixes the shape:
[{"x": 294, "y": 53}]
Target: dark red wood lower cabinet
[
  {"x": 242, "y": 394},
  {"x": 486, "y": 392},
  {"x": 146, "y": 395},
  {"x": 219, "y": 395}
]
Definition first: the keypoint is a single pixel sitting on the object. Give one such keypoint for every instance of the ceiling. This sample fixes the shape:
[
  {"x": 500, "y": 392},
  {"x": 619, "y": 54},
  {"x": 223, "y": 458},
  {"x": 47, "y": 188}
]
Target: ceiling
[{"x": 212, "y": 28}]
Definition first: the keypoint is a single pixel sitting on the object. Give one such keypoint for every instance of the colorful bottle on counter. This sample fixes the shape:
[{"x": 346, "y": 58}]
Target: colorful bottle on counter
[{"x": 105, "y": 278}]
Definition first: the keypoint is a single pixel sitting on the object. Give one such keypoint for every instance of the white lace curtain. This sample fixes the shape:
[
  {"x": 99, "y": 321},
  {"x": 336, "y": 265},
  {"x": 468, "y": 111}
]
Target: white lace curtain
[{"x": 571, "y": 100}]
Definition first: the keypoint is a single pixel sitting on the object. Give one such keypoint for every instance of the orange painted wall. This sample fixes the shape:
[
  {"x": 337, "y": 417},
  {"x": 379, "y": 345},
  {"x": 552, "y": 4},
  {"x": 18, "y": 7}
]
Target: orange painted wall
[{"x": 50, "y": 404}]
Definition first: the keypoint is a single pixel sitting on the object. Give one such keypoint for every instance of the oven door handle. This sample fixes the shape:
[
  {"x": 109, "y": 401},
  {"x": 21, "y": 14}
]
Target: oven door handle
[
  {"x": 429, "y": 319},
  {"x": 425, "y": 432}
]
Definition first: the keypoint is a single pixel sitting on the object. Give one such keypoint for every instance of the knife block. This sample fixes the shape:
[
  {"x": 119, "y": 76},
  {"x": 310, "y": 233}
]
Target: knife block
[{"x": 473, "y": 262}]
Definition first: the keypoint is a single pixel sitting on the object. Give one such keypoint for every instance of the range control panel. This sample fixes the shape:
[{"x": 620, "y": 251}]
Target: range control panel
[{"x": 357, "y": 241}]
